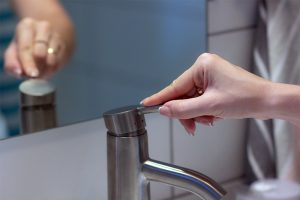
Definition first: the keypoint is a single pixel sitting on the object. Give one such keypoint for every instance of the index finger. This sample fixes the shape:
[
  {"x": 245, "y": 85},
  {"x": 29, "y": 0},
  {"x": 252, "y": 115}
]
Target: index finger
[
  {"x": 25, "y": 34},
  {"x": 179, "y": 87}
]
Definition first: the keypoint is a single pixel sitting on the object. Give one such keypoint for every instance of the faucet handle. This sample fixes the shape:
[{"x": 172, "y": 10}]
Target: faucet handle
[
  {"x": 129, "y": 120},
  {"x": 148, "y": 109}
]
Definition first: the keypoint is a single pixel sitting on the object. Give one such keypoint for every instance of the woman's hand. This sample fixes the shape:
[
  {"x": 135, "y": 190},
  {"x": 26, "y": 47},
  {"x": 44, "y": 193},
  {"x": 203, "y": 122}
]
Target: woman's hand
[
  {"x": 212, "y": 89},
  {"x": 37, "y": 50}
]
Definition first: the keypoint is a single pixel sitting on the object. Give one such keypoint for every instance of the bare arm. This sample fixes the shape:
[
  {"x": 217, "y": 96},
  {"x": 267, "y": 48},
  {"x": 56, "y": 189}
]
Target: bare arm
[
  {"x": 227, "y": 92},
  {"x": 284, "y": 102}
]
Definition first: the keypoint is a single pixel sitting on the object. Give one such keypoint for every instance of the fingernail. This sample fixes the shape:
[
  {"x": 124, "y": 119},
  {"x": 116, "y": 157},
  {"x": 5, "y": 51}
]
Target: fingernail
[
  {"x": 34, "y": 73},
  {"x": 211, "y": 124},
  {"x": 164, "y": 110},
  {"x": 142, "y": 102}
]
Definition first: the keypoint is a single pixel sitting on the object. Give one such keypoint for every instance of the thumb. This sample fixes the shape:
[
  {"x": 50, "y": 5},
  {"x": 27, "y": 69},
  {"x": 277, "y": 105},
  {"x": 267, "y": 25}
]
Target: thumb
[{"x": 190, "y": 108}]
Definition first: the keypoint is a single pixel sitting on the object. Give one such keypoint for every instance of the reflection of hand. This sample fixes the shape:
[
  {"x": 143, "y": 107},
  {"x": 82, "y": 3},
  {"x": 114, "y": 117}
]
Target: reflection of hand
[
  {"x": 212, "y": 89},
  {"x": 36, "y": 50}
]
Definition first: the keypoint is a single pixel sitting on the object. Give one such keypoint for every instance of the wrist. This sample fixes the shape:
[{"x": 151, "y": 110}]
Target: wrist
[
  {"x": 265, "y": 104},
  {"x": 283, "y": 102}
]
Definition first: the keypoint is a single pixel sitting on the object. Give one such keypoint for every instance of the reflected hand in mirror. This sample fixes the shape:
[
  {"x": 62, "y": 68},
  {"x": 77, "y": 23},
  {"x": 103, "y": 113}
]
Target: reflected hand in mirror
[
  {"x": 125, "y": 50},
  {"x": 43, "y": 39}
]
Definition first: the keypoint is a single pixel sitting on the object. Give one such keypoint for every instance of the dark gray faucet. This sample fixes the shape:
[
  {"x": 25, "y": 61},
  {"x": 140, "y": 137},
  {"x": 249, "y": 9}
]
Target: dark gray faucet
[{"x": 130, "y": 169}]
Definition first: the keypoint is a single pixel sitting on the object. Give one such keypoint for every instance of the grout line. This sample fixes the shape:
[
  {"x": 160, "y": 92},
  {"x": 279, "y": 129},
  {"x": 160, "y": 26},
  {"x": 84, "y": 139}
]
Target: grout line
[
  {"x": 232, "y": 30},
  {"x": 171, "y": 141},
  {"x": 206, "y": 27},
  {"x": 172, "y": 189}
]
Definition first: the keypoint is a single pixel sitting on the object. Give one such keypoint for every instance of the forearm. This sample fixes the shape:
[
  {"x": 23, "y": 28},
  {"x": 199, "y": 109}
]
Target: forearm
[
  {"x": 283, "y": 102},
  {"x": 51, "y": 11}
]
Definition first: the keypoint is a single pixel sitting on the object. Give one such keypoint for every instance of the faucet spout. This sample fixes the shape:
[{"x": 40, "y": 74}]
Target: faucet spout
[{"x": 195, "y": 182}]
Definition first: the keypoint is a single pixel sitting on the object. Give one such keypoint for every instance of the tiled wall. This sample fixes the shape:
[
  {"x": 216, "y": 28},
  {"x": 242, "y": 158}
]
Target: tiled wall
[
  {"x": 231, "y": 27},
  {"x": 69, "y": 163}
]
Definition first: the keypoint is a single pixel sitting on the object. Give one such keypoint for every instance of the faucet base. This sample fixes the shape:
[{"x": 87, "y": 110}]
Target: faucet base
[{"x": 126, "y": 156}]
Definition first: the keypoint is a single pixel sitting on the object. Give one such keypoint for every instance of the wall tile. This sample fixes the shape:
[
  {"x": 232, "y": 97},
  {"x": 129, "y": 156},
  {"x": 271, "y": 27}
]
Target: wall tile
[
  {"x": 217, "y": 152},
  {"x": 231, "y": 14},
  {"x": 235, "y": 46},
  {"x": 226, "y": 147},
  {"x": 223, "y": 157},
  {"x": 159, "y": 149}
]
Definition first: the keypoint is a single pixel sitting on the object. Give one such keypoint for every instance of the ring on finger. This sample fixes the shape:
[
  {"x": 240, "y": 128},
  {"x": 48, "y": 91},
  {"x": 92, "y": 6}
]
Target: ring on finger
[{"x": 53, "y": 51}]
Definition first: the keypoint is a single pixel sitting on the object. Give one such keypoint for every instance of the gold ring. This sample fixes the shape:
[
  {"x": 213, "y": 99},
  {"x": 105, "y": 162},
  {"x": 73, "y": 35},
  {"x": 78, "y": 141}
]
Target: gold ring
[
  {"x": 42, "y": 42},
  {"x": 53, "y": 51}
]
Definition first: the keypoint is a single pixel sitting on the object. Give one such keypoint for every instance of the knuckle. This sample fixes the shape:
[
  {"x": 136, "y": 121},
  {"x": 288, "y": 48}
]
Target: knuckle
[
  {"x": 45, "y": 25},
  {"x": 175, "y": 89},
  {"x": 178, "y": 109},
  {"x": 26, "y": 22},
  {"x": 39, "y": 54},
  {"x": 206, "y": 59}
]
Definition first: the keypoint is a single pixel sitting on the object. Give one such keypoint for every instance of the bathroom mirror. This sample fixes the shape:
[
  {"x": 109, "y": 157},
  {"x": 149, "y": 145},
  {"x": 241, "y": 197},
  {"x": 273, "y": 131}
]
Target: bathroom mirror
[{"x": 126, "y": 50}]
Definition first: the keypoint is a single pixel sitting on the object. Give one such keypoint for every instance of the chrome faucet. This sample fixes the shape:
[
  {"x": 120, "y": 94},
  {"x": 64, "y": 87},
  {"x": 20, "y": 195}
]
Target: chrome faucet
[
  {"x": 37, "y": 105},
  {"x": 130, "y": 169}
]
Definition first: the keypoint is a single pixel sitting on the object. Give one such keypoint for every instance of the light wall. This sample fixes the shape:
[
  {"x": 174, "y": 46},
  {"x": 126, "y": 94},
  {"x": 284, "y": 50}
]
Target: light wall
[{"x": 231, "y": 28}]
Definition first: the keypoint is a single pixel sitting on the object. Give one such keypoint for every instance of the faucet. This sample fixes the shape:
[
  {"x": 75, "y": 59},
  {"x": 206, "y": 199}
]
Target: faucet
[
  {"x": 37, "y": 105},
  {"x": 129, "y": 167}
]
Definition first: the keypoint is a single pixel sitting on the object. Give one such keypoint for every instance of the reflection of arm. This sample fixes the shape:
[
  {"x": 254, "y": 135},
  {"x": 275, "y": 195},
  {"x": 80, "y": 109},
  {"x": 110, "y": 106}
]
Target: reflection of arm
[{"x": 51, "y": 11}]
